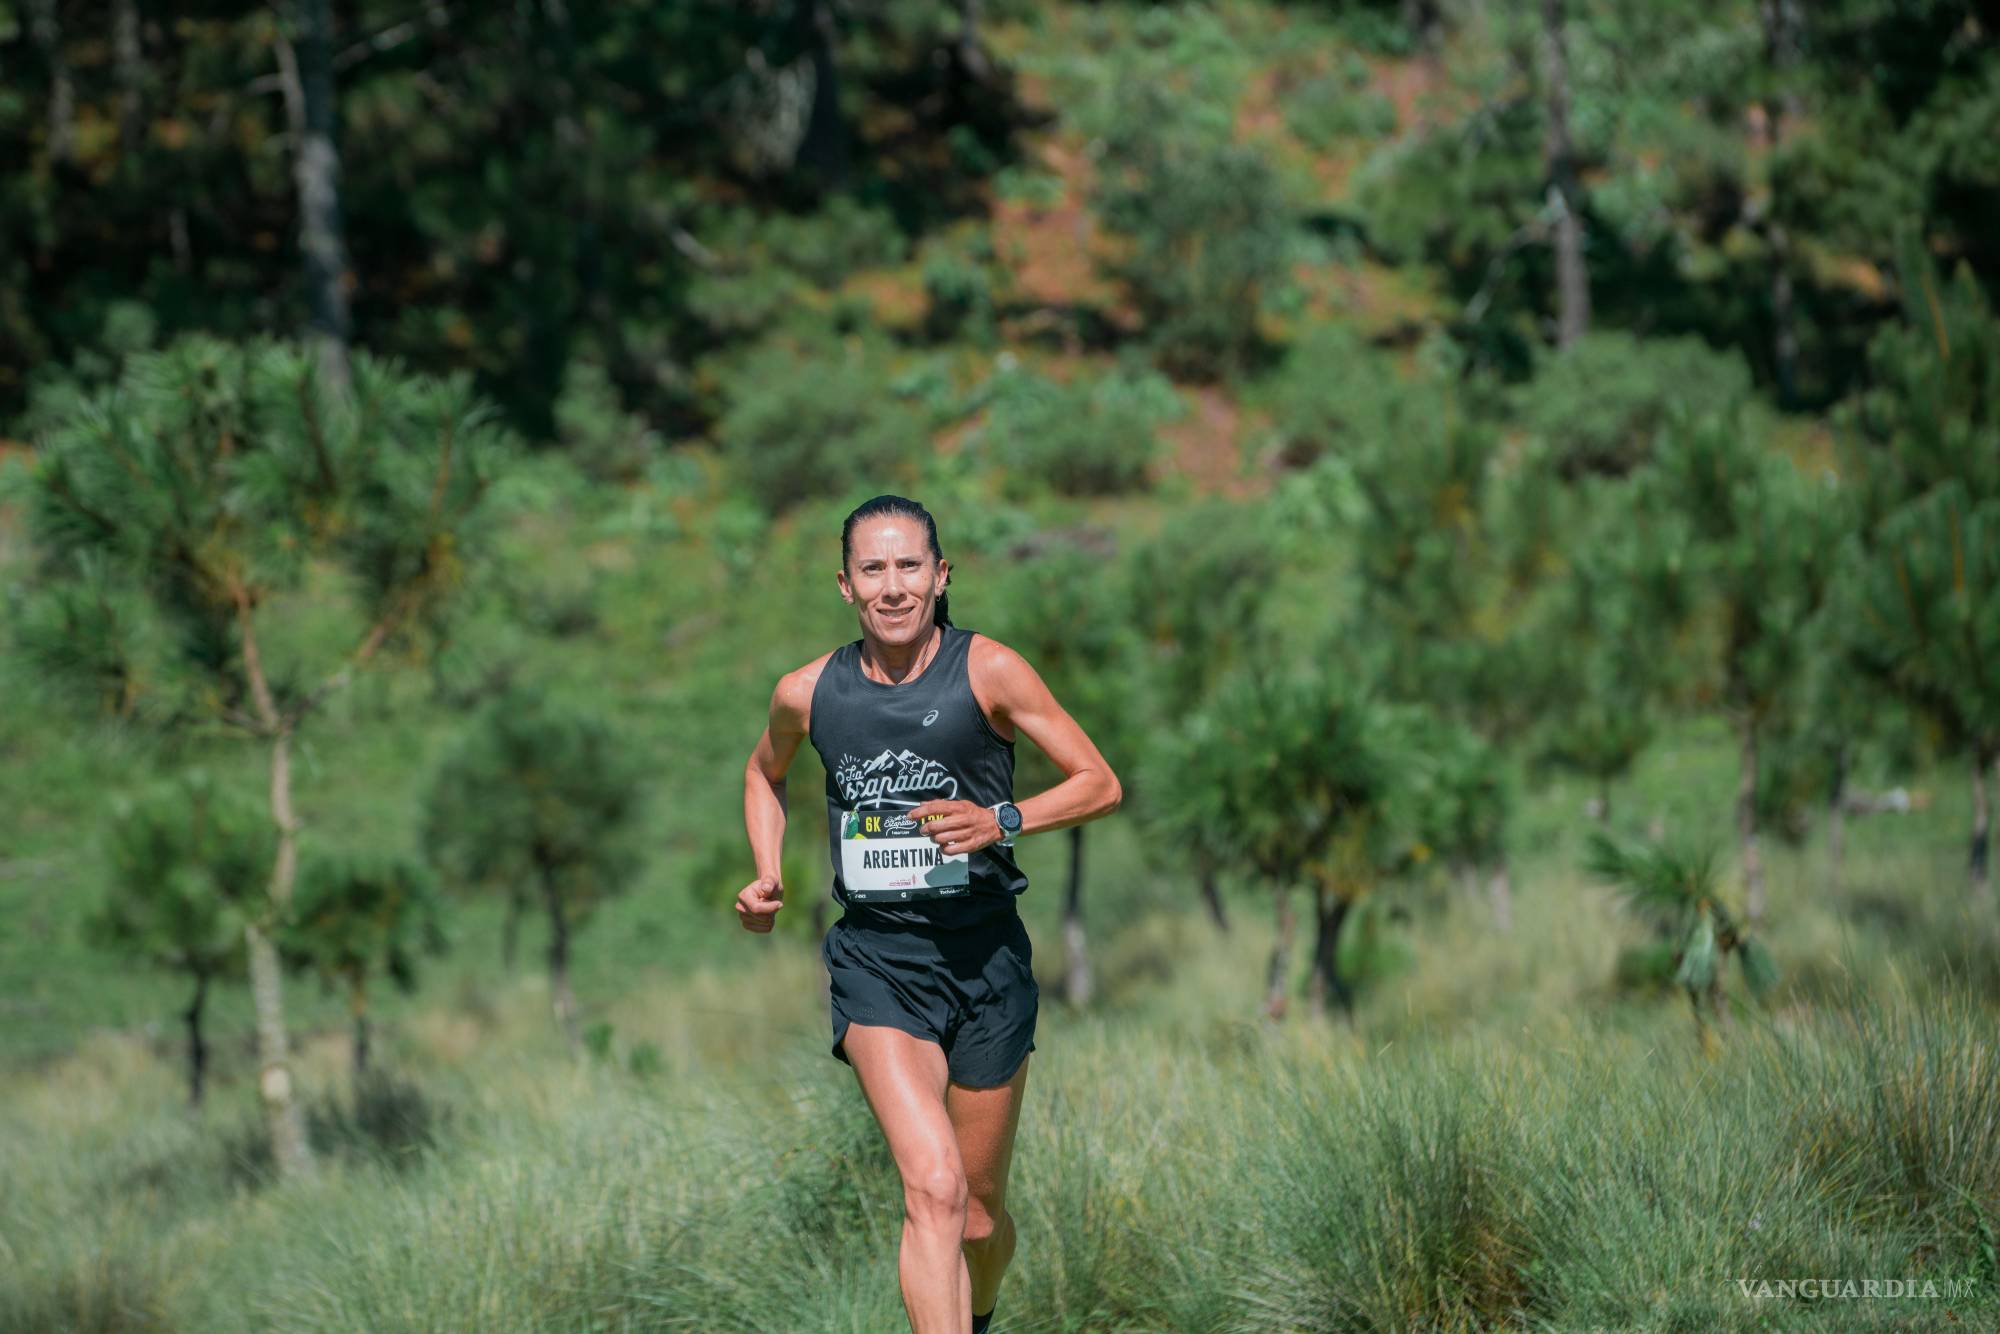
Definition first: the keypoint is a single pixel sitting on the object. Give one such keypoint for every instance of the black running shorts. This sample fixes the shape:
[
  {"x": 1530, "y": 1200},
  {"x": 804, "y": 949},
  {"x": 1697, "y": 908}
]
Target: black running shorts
[{"x": 971, "y": 990}]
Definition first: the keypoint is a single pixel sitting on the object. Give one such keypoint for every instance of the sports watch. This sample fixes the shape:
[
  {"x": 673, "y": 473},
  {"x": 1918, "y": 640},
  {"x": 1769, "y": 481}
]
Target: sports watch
[{"x": 1009, "y": 816}]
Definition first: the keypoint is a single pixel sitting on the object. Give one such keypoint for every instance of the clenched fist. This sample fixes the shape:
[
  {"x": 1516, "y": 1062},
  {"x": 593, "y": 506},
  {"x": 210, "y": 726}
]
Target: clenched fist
[{"x": 757, "y": 906}]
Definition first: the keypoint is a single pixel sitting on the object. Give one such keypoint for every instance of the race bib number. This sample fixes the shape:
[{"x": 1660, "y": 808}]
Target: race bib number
[{"x": 885, "y": 856}]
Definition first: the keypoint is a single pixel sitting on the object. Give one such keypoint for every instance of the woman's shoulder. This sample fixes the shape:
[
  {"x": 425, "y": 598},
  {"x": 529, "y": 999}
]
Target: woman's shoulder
[
  {"x": 986, "y": 655},
  {"x": 794, "y": 693}
]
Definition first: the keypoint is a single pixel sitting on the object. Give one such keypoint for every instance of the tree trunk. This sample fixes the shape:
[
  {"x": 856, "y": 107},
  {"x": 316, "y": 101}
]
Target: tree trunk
[
  {"x": 129, "y": 62},
  {"x": 1746, "y": 825},
  {"x": 1211, "y": 895},
  {"x": 1559, "y": 162},
  {"x": 357, "y": 1007},
  {"x": 1781, "y": 21},
  {"x": 289, "y": 1147},
  {"x": 823, "y": 151},
  {"x": 197, "y": 1044},
  {"x": 1836, "y": 823},
  {"x": 1982, "y": 826},
  {"x": 1331, "y": 915},
  {"x": 1500, "y": 890},
  {"x": 1076, "y": 960},
  {"x": 308, "y": 84},
  {"x": 1281, "y": 958},
  {"x": 560, "y": 996},
  {"x": 46, "y": 28}
]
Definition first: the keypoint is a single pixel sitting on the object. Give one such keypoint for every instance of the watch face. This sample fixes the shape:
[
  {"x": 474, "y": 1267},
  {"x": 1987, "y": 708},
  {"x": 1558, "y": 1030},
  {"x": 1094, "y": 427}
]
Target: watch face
[{"x": 1010, "y": 817}]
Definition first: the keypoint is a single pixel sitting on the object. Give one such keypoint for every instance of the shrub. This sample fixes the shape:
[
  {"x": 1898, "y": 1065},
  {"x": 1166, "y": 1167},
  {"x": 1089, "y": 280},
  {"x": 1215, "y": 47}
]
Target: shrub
[
  {"x": 1599, "y": 408},
  {"x": 1091, "y": 437},
  {"x": 606, "y": 441},
  {"x": 807, "y": 419},
  {"x": 1204, "y": 218}
]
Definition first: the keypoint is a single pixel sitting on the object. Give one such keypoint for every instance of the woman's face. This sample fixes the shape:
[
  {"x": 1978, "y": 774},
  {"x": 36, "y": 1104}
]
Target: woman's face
[{"x": 891, "y": 579}]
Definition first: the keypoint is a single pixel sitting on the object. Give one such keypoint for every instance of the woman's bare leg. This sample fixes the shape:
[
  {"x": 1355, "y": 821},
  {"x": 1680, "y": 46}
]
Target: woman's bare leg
[
  {"x": 985, "y": 1121},
  {"x": 904, "y": 1079}
]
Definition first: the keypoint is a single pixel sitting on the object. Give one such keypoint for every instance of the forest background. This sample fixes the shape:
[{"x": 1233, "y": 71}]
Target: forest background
[{"x": 1513, "y": 488}]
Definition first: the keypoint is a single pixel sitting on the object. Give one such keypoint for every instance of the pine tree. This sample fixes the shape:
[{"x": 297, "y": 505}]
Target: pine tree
[
  {"x": 356, "y": 918},
  {"x": 540, "y": 799},
  {"x": 176, "y": 514},
  {"x": 188, "y": 864},
  {"x": 1917, "y": 586}
]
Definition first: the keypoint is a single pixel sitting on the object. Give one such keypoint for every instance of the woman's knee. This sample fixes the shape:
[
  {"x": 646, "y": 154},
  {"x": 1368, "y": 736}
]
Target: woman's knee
[
  {"x": 936, "y": 1193},
  {"x": 985, "y": 1220}
]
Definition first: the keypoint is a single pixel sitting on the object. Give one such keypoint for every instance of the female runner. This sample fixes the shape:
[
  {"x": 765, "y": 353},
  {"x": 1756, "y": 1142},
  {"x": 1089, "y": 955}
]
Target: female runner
[{"x": 933, "y": 997}]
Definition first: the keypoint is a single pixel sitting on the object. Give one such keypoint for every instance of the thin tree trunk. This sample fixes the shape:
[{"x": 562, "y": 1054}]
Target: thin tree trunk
[
  {"x": 1782, "y": 22},
  {"x": 197, "y": 1043},
  {"x": 968, "y": 50},
  {"x": 823, "y": 152},
  {"x": 308, "y": 85},
  {"x": 1211, "y": 895},
  {"x": 1746, "y": 825},
  {"x": 46, "y": 28},
  {"x": 290, "y": 1149},
  {"x": 1331, "y": 912},
  {"x": 1500, "y": 891},
  {"x": 129, "y": 61},
  {"x": 1982, "y": 826},
  {"x": 1076, "y": 958},
  {"x": 357, "y": 1006},
  {"x": 1281, "y": 957},
  {"x": 1559, "y": 162},
  {"x": 1836, "y": 824},
  {"x": 561, "y": 998}
]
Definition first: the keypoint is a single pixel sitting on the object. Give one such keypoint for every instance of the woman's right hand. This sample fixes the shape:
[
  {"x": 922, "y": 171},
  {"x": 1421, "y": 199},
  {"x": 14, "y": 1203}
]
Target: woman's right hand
[{"x": 757, "y": 906}]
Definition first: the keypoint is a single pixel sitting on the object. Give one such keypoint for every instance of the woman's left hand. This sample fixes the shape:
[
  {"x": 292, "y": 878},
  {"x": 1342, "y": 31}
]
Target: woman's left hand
[{"x": 958, "y": 826}]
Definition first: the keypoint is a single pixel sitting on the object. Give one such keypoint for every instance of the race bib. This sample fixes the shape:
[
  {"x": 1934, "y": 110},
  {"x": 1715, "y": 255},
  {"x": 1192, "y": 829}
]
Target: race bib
[{"x": 885, "y": 856}]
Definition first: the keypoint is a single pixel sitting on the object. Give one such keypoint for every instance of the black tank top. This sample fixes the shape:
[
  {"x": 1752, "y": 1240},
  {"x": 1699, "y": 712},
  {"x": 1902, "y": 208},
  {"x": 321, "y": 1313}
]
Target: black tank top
[{"x": 887, "y": 748}]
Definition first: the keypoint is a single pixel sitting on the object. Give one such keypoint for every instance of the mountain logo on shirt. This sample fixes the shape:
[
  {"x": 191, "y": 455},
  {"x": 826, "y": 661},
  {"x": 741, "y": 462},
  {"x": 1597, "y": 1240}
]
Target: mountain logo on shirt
[{"x": 901, "y": 778}]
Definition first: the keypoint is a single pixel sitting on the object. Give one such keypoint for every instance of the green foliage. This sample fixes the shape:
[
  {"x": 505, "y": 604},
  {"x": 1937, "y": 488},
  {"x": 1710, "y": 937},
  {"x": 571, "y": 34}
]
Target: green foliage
[
  {"x": 1095, "y": 435},
  {"x": 538, "y": 801},
  {"x": 1674, "y": 885},
  {"x": 189, "y": 860},
  {"x": 210, "y": 477},
  {"x": 1601, "y": 406},
  {"x": 1932, "y": 413},
  {"x": 355, "y": 916},
  {"x": 958, "y": 286},
  {"x": 1752, "y": 538},
  {"x": 813, "y": 419},
  {"x": 1456, "y": 795},
  {"x": 606, "y": 441},
  {"x": 1060, "y": 606},
  {"x": 1336, "y": 105},
  {"x": 1922, "y": 604},
  {"x": 1205, "y": 221},
  {"x": 1282, "y": 776},
  {"x": 1197, "y": 593},
  {"x": 1602, "y": 627}
]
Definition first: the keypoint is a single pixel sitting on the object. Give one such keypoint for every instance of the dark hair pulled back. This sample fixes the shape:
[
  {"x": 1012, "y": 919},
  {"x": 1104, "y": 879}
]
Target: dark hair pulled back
[{"x": 899, "y": 507}]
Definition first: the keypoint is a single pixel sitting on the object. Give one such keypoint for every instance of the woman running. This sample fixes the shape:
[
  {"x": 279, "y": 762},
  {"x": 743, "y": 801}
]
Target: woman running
[{"x": 934, "y": 999}]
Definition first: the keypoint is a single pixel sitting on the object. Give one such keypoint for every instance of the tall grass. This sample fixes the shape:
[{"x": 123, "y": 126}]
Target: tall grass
[{"x": 1577, "y": 1173}]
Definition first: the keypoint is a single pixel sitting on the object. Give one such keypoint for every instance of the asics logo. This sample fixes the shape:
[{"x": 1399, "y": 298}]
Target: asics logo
[{"x": 930, "y": 717}]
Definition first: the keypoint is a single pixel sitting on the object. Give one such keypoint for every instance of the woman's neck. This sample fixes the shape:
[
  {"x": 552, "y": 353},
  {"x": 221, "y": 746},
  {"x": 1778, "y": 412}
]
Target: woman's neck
[{"x": 893, "y": 664}]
